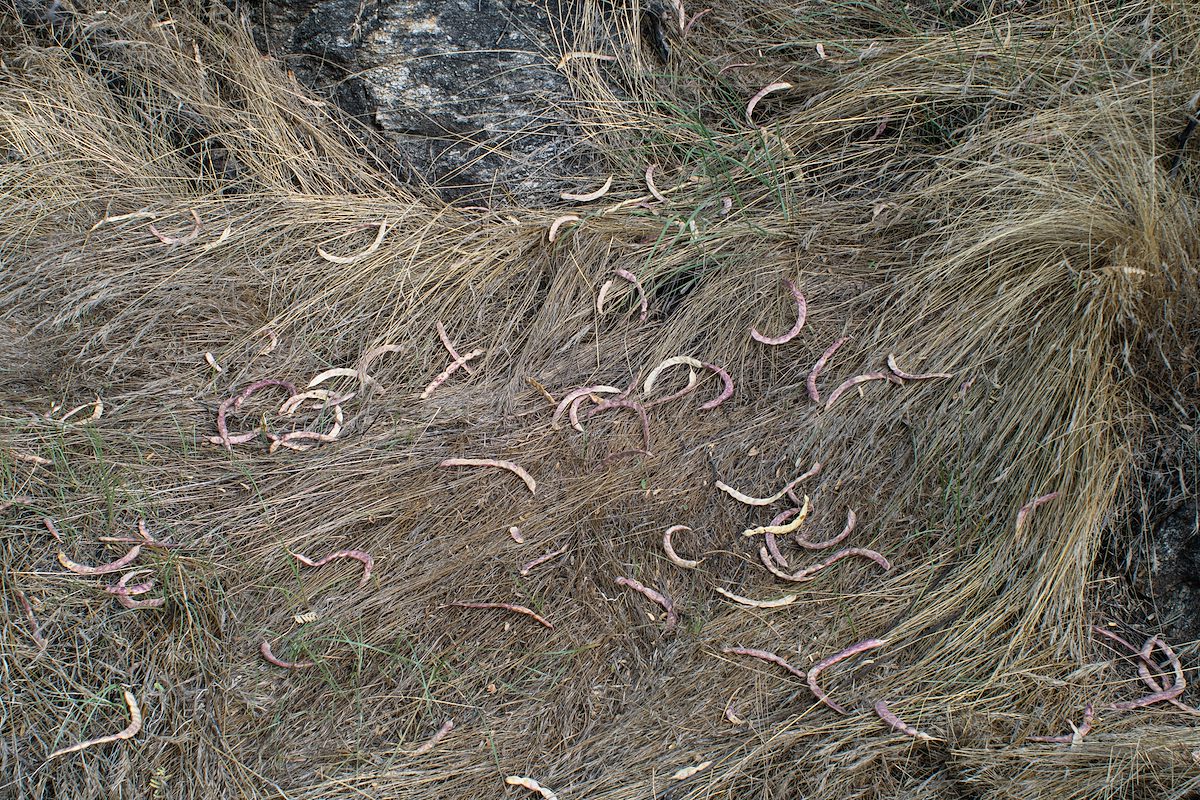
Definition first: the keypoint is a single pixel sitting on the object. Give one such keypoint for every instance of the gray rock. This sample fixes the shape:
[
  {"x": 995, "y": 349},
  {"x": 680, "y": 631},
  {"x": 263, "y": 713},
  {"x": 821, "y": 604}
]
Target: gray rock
[
  {"x": 466, "y": 90},
  {"x": 1175, "y": 572}
]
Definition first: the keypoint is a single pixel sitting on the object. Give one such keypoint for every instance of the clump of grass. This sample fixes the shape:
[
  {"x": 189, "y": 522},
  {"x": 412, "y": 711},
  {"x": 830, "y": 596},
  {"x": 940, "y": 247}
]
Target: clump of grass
[{"x": 986, "y": 196}]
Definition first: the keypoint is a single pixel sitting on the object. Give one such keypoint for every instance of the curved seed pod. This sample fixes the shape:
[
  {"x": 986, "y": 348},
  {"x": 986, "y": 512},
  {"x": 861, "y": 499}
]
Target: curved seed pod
[
  {"x": 772, "y": 547},
  {"x": 815, "y": 372},
  {"x": 726, "y": 387},
  {"x": 446, "y": 373},
  {"x": 672, "y": 556},
  {"x": 288, "y": 439},
  {"x": 335, "y": 372},
  {"x": 763, "y": 92},
  {"x": 786, "y": 600},
  {"x": 97, "y": 407},
  {"x": 586, "y": 197},
  {"x": 258, "y": 386},
  {"x": 441, "y": 332},
  {"x": 1077, "y": 733},
  {"x": 121, "y": 587},
  {"x": 602, "y": 295},
  {"x": 135, "y": 725},
  {"x": 815, "y": 671},
  {"x": 265, "y": 649},
  {"x": 558, "y": 223},
  {"x": 562, "y": 62},
  {"x": 654, "y": 597},
  {"x": 358, "y": 555},
  {"x": 537, "y": 562},
  {"x": 654, "y": 192},
  {"x": 531, "y": 785},
  {"x": 128, "y": 602},
  {"x": 191, "y": 237},
  {"x": 637, "y": 284},
  {"x": 851, "y": 521},
  {"x": 891, "y": 719},
  {"x": 766, "y": 501},
  {"x": 673, "y": 361},
  {"x": 1166, "y": 693},
  {"x": 371, "y": 248},
  {"x": 801, "y": 315},
  {"x": 103, "y": 569},
  {"x": 324, "y": 396},
  {"x": 508, "y": 607},
  {"x": 574, "y": 394},
  {"x": 573, "y": 412},
  {"x": 432, "y": 742},
  {"x": 1145, "y": 664},
  {"x": 785, "y": 528},
  {"x": 767, "y": 561},
  {"x": 687, "y": 772},
  {"x": 514, "y": 468},
  {"x": 764, "y": 655},
  {"x": 851, "y": 383},
  {"x": 35, "y": 630},
  {"x": 899, "y": 373},
  {"x": 861, "y": 552},
  {"x": 1026, "y": 509}
]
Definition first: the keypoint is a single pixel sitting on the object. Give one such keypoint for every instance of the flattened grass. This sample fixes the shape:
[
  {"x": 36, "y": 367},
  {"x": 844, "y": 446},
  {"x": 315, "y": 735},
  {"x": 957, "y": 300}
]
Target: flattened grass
[{"x": 983, "y": 195}]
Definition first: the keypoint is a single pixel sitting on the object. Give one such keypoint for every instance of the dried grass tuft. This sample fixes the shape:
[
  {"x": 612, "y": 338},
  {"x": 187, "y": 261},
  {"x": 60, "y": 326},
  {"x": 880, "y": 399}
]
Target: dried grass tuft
[{"x": 989, "y": 194}]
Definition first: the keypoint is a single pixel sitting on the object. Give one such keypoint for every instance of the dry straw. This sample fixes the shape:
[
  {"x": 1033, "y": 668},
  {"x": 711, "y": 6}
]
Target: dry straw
[{"x": 985, "y": 194}]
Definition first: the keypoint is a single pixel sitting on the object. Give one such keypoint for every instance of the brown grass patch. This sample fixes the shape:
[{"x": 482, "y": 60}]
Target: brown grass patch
[{"x": 987, "y": 194}]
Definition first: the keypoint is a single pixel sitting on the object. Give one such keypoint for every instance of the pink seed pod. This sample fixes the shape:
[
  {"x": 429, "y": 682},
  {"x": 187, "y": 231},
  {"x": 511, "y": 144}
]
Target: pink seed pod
[
  {"x": 801, "y": 315},
  {"x": 654, "y": 597},
  {"x": 815, "y": 671},
  {"x": 815, "y": 371},
  {"x": 509, "y": 607}
]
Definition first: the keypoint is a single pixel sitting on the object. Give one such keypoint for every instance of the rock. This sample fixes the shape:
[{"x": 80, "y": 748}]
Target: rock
[
  {"x": 1175, "y": 572},
  {"x": 466, "y": 90}
]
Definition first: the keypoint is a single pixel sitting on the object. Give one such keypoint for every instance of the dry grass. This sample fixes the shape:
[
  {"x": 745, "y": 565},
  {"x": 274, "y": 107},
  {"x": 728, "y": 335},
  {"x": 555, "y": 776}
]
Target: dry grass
[{"x": 987, "y": 195}]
